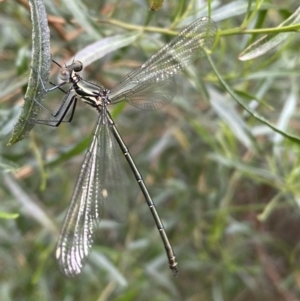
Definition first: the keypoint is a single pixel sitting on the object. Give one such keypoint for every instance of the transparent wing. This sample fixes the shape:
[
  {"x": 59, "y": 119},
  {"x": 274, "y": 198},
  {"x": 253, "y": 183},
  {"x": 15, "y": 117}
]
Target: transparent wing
[
  {"x": 101, "y": 182},
  {"x": 175, "y": 56},
  {"x": 148, "y": 96},
  {"x": 114, "y": 187}
]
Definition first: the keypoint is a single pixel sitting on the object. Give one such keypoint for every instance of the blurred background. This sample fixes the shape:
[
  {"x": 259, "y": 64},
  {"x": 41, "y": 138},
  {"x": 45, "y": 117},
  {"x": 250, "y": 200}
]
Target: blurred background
[{"x": 226, "y": 185}]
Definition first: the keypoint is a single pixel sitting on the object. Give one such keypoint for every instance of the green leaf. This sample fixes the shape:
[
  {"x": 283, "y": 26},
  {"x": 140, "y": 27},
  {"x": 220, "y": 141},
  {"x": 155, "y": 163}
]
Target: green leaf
[
  {"x": 6, "y": 215},
  {"x": 32, "y": 207},
  {"x": 233, "y": 120},
  {"x": 80, "y": 13},
  {"x": 269, "y": 41},
  {"x": 41, "y": 63},
  {"x": 77, "y": 149},
  {"x": 99, "y": 49},
  {"x": 252, "y": 113}
]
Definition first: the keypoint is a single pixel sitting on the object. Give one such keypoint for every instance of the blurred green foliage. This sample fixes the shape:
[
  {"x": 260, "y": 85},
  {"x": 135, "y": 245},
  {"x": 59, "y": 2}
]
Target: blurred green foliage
[{"x": 226, "y": 185}]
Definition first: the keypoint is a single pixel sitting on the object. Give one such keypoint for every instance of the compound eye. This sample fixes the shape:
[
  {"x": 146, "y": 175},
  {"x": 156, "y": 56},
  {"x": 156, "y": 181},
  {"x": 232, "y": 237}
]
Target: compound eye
[
  {"x": 64, "y": 74},
  {"x": 77, "y": 66}
]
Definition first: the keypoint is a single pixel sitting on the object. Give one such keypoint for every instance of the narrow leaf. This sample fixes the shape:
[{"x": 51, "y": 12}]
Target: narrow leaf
[
  {"x": 291, "y": 137},
  {"x": 5, "y": 215},
  {"x": 77, "y": 149},
  {"x": 269, "y": 41},
  {"x": 41, "y": 63},
  {"x": 97, "y": 50},
  {"x": 80, "y": 12},
  {"x": 32, "y": 208},
  {"x": 232, "y": 119}
]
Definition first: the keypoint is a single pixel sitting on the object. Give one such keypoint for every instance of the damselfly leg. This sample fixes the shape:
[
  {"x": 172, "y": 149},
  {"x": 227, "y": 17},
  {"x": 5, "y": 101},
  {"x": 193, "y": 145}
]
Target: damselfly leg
[{"x": 68, "y": 103}]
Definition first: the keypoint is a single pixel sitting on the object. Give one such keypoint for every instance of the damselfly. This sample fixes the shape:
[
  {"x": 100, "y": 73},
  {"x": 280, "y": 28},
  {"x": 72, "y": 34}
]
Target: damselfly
[{"x": 100, "y": 181}]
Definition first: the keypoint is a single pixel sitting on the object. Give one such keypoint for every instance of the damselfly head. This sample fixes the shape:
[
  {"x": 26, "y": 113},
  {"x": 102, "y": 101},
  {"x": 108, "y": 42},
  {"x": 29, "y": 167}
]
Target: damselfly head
[
  {"x": 76, "y": 66},
  {"x": 65, "y": 72}
]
